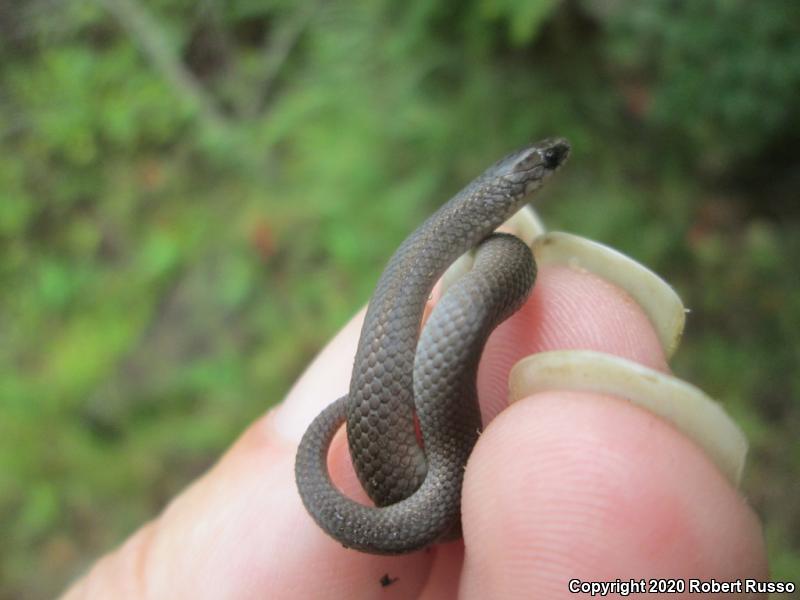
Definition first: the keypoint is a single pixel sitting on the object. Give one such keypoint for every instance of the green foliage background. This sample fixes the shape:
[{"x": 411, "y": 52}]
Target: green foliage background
[{"x": 194, "y": 196}]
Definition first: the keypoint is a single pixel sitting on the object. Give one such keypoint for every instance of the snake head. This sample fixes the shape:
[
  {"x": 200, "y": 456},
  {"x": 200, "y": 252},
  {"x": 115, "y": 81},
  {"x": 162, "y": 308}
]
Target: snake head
[{"x": 528, "y": 168}]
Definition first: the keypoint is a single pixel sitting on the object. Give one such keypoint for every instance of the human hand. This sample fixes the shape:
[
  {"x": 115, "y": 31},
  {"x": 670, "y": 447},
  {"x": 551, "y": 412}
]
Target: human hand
[{"x": 562, "y": 485}]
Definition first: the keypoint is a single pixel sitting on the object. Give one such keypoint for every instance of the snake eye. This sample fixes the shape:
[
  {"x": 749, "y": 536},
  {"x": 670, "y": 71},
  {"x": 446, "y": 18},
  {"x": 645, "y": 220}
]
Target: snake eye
[
  {"x": 555, "y": 155},
  {"x": 536, "y": 160}
]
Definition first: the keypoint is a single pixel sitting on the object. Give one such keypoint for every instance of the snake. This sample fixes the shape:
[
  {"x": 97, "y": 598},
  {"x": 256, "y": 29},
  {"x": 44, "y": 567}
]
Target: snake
[{"x": 410, "y": 381}]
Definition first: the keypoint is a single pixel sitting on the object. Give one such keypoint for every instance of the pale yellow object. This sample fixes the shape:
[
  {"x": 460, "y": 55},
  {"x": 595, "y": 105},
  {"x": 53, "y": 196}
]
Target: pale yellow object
[
  {"x": 685, "y": 406},
  {"x": 658, "y": 299}
]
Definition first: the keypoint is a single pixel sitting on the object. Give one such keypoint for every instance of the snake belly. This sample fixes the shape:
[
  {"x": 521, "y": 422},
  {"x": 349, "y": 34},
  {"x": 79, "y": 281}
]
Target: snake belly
[{"x": 399, "y": 373}]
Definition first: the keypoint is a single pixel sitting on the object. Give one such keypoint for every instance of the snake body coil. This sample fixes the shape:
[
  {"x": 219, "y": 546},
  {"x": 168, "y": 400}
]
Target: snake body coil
[{"x": 418, "y": 493}]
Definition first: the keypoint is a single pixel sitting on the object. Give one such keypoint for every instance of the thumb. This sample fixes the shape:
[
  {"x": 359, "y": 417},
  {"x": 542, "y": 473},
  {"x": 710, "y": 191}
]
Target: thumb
[{"x": 608, "y": 490}]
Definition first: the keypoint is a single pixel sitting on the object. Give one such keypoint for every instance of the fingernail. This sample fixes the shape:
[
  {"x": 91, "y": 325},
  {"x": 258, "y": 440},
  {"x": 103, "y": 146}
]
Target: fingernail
[
  {"x": 525, "y": 224},
  {"x": 454, "y": 272},
  {"x": 690, "y": 410},
  {"x": 658, "y": 299}
]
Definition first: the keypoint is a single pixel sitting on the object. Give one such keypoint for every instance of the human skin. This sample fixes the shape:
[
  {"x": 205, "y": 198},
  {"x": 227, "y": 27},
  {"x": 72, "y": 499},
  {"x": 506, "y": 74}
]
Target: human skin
[{"x": 561, "y": 485}]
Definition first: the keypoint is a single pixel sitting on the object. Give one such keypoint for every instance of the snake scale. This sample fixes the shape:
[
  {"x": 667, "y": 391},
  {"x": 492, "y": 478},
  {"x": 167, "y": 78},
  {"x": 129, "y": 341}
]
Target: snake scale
[{"x": 400, "y": 374}]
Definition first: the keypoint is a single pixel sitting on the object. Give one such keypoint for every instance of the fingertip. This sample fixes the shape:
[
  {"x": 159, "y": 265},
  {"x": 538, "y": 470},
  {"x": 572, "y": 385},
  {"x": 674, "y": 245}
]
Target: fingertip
[
  {"x": 568, "y": 309},
  {"x": 574, "y": 308},
  {"x": 575, "y": 485}
]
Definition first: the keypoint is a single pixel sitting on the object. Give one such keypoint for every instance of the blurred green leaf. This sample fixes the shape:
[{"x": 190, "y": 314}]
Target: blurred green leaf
[
  {"x": 40, "y": 512},
  {"x": 524, "y": 18}
]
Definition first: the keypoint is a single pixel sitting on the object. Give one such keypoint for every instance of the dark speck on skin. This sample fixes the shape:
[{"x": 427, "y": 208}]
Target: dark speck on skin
[{"x": 386, "y": 581}]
